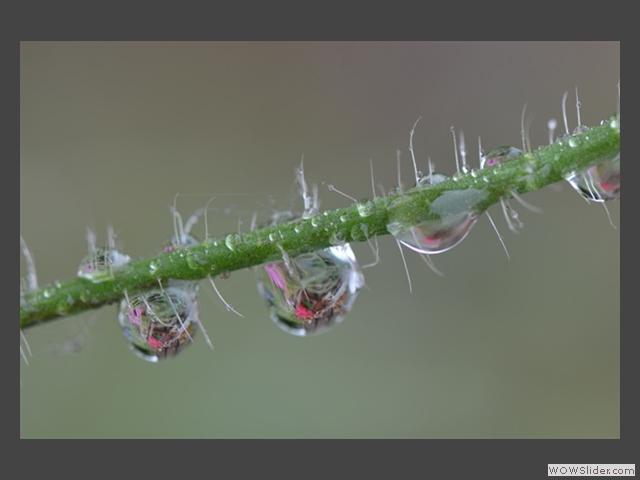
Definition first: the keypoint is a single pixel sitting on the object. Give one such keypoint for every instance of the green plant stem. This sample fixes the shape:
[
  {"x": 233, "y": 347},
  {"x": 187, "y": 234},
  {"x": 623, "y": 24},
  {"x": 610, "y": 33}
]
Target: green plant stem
[{"x": 356, "y": 223}]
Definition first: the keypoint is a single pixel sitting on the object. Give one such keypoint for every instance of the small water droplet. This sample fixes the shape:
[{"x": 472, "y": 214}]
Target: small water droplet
[
  {"x": 574, "y": 142},
  {"x": 358, "y": 234},
  {"x": 365, "y": 208},
  {"x": 343, "y": 218},
  {"x": 48, "y": 292},
  {"x": 153, "y": 268},
  {"x": 615, "y": 124},
  {"x": 315, "y": 221},
  {"x": 232, "y": 240},
  {"x": 499, "y": 155},
  {"x": 100, "y": 264},
  {"x": 338, "y": 238}
]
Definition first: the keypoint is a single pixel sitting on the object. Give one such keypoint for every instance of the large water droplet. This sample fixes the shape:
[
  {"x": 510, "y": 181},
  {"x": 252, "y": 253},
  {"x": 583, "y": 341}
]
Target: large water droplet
[
  {"x": 159, "y": 324},
  {"x": 314, "y": 292},
  {"x": 599, "y": 183},
  {"x": 435, "y": 236},
  {"x": 453, "y": 216}
]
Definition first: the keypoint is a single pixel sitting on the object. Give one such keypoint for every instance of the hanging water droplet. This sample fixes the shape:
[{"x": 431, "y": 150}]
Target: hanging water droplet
[
  {"x": 314, "y": 292},
  {"x": 599, "y": 183},
  {"x": 499, "y": 155},
  {"x": 453, "y": 217},
  {"x": 159, "y": 323}
]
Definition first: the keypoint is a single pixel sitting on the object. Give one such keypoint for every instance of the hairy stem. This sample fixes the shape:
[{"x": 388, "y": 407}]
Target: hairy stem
[{"x": 356, "y": 223}]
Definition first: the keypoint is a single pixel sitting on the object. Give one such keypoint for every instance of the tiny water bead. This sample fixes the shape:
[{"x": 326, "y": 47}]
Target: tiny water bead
[
  {"x": 159, "y": 323},
  {"x": 312, "y": 292}
]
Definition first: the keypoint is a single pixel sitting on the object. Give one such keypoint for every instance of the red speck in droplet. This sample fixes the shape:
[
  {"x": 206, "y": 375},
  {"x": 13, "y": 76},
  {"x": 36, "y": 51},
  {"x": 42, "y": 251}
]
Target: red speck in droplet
[{"x": 303, "y": 312}]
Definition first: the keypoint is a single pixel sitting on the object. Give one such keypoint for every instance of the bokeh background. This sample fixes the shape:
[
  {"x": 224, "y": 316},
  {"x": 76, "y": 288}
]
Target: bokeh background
[{"x": 527, "y": 348}]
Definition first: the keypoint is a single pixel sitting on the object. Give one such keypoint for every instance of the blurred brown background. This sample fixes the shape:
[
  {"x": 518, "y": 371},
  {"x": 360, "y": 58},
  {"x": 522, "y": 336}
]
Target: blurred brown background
[{"x": 527, "y": 348}]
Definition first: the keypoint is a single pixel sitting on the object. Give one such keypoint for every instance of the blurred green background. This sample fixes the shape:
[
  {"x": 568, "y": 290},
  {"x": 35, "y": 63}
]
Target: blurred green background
[{"x": 527, "y": 348}]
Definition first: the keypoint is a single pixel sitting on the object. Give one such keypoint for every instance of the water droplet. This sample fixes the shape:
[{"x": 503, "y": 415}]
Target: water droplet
[
  {"x": 453, "y": 217},
  {"x": 314, "y": 292},
  {"x": 153, "y": 268},
  {"x": 432, "y": 179},
  {"x": 436, "y": 236},
  {"x": 174, "y": 242},
  {"x": 580, "y": 129},
  {"x": 365, "y": 208},
  {"x": 273, "y": 237},
  {"x": 615, "y": 124},
  {"x": 599, "y": 183},
  {"x": 48, "y": 292},
  {"x": 338, "y": 237},
  {"x": 100, "y": 264},
  {"x": 343, "y": 218},
  {"x": 499, "y": 155},
  {"x": 315, "y": 221},
  {"x": 358, "y": 234},
  {"x": 574, "y": 142},
  {"x": 159, "y": 323},
  {"x": 232, "y": 240}
]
